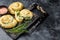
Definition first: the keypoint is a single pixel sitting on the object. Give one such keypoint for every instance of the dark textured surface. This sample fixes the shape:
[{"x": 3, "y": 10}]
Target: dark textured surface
[{"x": 48, "y": 30}]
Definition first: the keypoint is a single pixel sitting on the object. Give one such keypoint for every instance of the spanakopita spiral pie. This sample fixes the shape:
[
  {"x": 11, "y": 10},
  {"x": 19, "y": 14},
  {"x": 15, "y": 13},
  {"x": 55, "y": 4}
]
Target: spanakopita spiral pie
[
  {"x": 7, "y": 21},
  {"x": 16, "y": 6}
]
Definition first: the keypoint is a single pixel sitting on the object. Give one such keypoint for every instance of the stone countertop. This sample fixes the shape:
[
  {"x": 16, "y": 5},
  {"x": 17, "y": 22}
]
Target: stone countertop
[{"x": 48, "y": 30}]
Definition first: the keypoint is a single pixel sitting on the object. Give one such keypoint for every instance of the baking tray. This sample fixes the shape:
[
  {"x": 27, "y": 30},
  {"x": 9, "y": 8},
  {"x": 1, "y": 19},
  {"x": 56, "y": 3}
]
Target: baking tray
[{"x": 37, "y": 19}]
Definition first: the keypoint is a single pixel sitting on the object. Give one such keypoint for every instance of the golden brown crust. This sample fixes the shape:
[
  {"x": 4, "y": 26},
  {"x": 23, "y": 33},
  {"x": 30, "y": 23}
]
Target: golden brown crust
[
  {"x": 26, "y": 13},
  {"x": 15, "y": 7},
  {"x": 7, "y": 21}
]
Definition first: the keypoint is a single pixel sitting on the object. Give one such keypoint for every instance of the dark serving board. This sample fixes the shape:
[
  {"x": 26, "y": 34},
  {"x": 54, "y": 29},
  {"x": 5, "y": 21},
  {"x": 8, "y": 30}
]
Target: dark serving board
[
  {"x": 38, "y": 16},
  {"x": 15, "y": 36}
]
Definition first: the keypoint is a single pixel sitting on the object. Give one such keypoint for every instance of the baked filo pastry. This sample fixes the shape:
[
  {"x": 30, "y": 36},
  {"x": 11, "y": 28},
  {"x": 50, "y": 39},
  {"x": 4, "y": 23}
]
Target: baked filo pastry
[
  {"x": 15, "y": 6},
  {"x": 23, "y": 14},
  {"x": 18, "y": 17},
  {"x": 26, "y": 14},
  {"x": 7, "y": 21}
]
